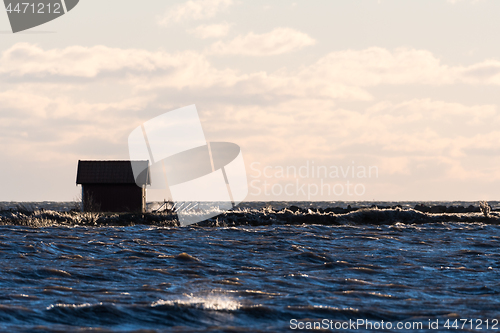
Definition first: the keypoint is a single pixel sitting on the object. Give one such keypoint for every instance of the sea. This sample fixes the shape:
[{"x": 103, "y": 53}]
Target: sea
[{"x": 264, "y": 268}]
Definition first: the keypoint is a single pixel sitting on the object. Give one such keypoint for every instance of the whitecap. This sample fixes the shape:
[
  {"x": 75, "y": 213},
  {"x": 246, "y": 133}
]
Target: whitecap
[{"x": 218, "y": 303}]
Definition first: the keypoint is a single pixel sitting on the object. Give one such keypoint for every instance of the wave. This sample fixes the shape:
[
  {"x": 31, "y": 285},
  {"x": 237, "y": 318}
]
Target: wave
[{"x": 291, "y": 215}]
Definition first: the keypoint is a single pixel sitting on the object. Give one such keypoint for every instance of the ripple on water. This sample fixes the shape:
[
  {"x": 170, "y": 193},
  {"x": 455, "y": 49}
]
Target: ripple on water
[{"x": 133, "y": 278}]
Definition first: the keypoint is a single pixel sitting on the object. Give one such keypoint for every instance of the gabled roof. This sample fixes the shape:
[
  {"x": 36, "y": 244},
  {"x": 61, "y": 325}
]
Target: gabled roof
[{"x": 112, "y": 172}]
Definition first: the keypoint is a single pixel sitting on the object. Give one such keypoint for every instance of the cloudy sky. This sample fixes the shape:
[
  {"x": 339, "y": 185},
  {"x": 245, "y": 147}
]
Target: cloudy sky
[{"x": 408, "y": 87}]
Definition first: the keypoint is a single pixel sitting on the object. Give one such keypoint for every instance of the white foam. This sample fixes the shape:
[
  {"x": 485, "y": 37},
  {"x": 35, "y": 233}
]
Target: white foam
[
  {"x": 218, "y": 303},
  {"x": 74, "y": 306}
]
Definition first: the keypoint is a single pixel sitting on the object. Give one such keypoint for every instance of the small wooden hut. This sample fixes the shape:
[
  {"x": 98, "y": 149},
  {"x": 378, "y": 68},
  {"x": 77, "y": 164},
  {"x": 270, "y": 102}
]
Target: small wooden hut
[{"x": 110, "y": 186}]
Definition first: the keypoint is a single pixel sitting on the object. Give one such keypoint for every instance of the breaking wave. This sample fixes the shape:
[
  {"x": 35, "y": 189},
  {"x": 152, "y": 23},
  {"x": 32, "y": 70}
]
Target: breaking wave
[{"x": 260, "y": 216}]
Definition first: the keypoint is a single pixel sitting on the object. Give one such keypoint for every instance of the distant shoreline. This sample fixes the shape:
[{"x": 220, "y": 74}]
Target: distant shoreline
[{"x": 62, "y": 206}]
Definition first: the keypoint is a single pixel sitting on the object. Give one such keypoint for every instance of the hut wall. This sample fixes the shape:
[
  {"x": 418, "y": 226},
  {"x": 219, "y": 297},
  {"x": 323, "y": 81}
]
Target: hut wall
[{"x": 113, "y": 198}]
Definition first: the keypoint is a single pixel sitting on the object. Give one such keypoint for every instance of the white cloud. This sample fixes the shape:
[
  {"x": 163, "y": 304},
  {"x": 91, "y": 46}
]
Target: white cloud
[
  {"x": 24, "y": 59},
  {"x": 425, "y": 140},
  {"x": 83, "y": 101},
  {"x": 338, "y": 75},
  {"x": 146, "y": 71},
  {"x": 194, "y": 10},
  {"x": 211, "y": 30},
  {"x": 278, "y": 41},
  {"x": 375, "y": 66},
  {"x": 378, "y": 66}
]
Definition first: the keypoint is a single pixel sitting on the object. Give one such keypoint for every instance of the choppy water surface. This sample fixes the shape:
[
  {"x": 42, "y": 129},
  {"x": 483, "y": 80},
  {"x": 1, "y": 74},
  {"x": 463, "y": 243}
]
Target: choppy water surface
[{"x": 62, "y": 279}]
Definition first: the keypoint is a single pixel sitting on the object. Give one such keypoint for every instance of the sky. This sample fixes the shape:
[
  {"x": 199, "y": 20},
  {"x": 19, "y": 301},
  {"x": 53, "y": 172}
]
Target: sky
[{"x": 403, "y": 93}]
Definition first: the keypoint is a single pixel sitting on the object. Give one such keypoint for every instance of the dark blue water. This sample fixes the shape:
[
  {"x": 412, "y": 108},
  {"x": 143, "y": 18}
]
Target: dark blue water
[{"x": 247, "y": 279}]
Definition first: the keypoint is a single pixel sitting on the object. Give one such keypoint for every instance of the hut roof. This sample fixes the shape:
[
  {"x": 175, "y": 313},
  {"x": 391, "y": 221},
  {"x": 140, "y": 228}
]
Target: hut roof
[{"x": 112, "y": 172}]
